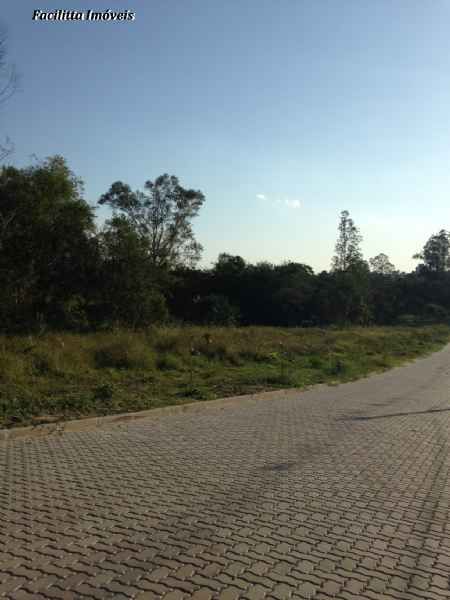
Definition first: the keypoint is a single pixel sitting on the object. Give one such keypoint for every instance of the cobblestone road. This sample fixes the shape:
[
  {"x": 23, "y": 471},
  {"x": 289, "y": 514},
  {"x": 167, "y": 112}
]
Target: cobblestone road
[{"x": 339, "y": 492}]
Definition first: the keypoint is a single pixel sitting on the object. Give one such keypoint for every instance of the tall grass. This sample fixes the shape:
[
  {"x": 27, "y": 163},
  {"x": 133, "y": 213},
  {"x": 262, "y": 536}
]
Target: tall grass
[{"x": 60, "y": 376}]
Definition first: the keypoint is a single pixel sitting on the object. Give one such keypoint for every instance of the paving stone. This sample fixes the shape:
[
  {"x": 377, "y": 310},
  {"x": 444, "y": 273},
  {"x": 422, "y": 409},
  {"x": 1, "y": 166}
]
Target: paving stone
[
  {"x": 306, "y": 590},
  {"x": 229, "y": 594},
  {"x": 256, "y": 592},
  {"x": 339, "y": 492},
  {"x": 202, "y": 594}
]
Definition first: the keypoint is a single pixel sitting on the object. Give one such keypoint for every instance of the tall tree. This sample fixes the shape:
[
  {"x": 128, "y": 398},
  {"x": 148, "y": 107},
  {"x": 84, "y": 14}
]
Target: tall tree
[
  {"x": 126, "y": 286},
  {"x": 161, "y": 215},
  {"x": 47, "y": 243},
  {"x": 347, "y": 249},
  {"x": 436, "y": 252},
  {"x": 381, "y": 264}
]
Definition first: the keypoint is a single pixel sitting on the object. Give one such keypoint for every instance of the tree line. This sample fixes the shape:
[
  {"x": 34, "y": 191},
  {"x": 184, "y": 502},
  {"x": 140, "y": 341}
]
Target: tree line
[{"x": 59, "y": 270}]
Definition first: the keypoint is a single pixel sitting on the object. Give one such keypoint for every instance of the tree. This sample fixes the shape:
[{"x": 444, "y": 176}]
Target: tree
[
  {"x": 381, "y": 264},
  {"x": 8, "y": 85},
  {"x": 229, "y": 265},
  {"x": 435, "y": 253},
  {"x": 161, "y": 216},
  {"x": 47, "y": 241},
  {"x": 347, "y": 250},
  {"x": 216, "y": 309},
  {"x": 129, "y": 293}
]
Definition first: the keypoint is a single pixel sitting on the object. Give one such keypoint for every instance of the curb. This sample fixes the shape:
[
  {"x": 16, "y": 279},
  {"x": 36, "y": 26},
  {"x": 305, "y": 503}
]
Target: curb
[{"x": 92, "y": 423}]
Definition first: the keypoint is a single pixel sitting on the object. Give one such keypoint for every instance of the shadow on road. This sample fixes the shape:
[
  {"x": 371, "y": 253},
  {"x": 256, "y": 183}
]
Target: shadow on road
[{"x": 400, "y": 414}]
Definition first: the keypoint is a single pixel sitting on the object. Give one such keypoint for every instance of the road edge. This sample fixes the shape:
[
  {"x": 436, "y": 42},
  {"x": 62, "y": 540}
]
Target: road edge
[
  {"x": 99, "y": 422},
  {"x": 92, "y": 423}
]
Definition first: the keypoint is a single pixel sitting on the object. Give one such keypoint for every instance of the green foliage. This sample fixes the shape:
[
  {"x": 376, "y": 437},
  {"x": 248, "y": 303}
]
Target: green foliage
[
  {"x": 103, "y": 392},
  {"x": 12, "y": 367},
  {"x": 348, "y": 244},
  {"x": 45, "y": 361},
  {"x": 59, "y": 273},
  {"x": 408, "y": 320},
  {"x": 124, "y": 352},
  {"x": 47, "y": 247},
  {"x": 316, "y": 362},
  {"x": 196, "y": 392},
  {"x": 129, "y": 287},
  {"x": 216, "y": 309},
  {"x": 381, "y": 264},
  {"x": 436, "y": 312},
  {"x": 74, "y": 313},
  {"x": 436, "y": 253},
  {"x": 161, "y": 217},
  {"x": 168, "y": 362},
  {"x": 61, "y": 376}
]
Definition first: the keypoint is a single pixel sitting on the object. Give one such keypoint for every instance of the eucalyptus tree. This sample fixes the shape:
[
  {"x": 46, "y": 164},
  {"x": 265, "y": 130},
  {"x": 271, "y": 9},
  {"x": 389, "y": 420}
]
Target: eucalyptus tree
[
  {"x": 161, "y": 216},
  {"x": 347, "y": 249},
  {"x": 381, "y": 264},
  {"x": 436, "y": 252}
]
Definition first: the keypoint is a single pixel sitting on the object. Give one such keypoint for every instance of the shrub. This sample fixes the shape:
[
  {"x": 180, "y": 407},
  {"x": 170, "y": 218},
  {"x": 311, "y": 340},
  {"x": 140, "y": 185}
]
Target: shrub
[
  {"x": 407, "y": 319},
  {"x": 124, "y": 353},
  {"x": 152, "y": 309},
  {"x": 315, "y": 362},
  {"x": 337, "y": 367},
  {"x": 216, "y": 309},
  {"x": 12, "y": 367},
  {"x": 212, "y": 349},
  {"x": 435, "y": 312},
  {"x": 167, "y": 341},
  {"x": 258, "y": 356},
  {"x": 46, "y": 361},
  {"x": 168, "y": 362},
  {"x": 103, "y": 392},
  {"x": 73, "y": 315}
]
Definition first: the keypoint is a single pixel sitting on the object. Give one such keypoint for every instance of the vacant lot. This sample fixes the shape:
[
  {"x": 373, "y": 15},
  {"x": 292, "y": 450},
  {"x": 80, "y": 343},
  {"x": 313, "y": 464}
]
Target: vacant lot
[{"x": 62, "y": 376}]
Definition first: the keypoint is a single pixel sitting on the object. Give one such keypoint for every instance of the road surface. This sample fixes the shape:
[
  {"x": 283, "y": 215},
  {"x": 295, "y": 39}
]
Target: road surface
[{"x": 338, "y": 492}]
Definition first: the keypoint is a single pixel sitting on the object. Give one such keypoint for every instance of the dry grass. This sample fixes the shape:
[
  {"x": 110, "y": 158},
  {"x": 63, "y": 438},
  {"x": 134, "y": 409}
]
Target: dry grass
[{"x": 69, "y": 375}]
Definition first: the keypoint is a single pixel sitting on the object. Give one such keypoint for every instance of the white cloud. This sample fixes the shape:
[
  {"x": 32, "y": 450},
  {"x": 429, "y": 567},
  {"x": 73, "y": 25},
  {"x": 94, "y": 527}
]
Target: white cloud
[
  {"x": 289, "y": 202},
  {"x": 292, "y": 203}
]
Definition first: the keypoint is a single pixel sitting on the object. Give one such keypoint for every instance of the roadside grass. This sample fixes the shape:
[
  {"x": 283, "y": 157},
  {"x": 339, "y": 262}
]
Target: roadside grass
[{"x": 63, "y": 376}]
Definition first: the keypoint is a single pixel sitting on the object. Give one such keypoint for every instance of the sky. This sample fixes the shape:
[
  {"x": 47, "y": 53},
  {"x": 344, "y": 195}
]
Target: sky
[{"x": 282, "y": 112}]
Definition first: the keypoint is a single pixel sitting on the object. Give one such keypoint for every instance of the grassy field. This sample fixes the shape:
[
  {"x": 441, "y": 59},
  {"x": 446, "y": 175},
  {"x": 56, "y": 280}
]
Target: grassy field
[{"x": 62, "y": 376}]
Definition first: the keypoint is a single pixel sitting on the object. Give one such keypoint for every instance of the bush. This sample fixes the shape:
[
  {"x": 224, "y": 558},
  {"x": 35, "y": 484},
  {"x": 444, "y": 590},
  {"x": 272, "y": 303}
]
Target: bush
[
  {"x": 315, "y": 362},
  {"x": 103, "y": 392},
  {"x": 12, "y": 367},
  {"x": 436, "y": 312},
  {"x": 407, "y": 319},
  {"x": 46, "y": 361},
  {"x": 167, "y": 362},
  {"x": 72, "y": 314},
  {"x": 216, "y": 309},
  {"x": 124, "y": 353},
  {"x": 337, "y": 367},
  {"x": 152, "y": 309},
  {"x": 167, "y": 342}
]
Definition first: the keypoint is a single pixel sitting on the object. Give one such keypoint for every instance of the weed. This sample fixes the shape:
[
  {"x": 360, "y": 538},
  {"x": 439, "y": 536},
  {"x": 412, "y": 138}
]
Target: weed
[
  {"x": 315, "y": 362},
  {"x": 168, "y": 362},
  {"x": 125, "y": 353},
  {"x": 60, "y": 376},
  {"x": 103, "y": 392},
  {"x": 195, "y": 392}
]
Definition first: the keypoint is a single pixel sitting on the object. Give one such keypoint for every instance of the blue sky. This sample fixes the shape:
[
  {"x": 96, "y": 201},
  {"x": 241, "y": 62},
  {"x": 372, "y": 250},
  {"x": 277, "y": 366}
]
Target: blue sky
[{"x": 283, "y": 112}]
